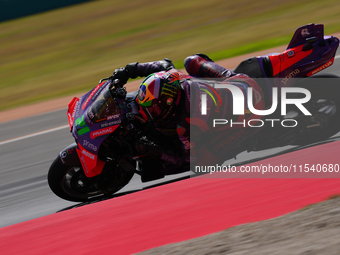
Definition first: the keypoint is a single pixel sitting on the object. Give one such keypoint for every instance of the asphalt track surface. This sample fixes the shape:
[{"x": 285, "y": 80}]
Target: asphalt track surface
[{"x": 27, "y": 148}]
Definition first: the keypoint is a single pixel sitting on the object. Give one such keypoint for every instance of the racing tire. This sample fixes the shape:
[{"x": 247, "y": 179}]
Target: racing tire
[{"x": 70, "y": 183}]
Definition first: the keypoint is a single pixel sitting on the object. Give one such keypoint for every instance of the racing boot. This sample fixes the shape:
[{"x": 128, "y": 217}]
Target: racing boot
[{"x": 200, "y": 65}]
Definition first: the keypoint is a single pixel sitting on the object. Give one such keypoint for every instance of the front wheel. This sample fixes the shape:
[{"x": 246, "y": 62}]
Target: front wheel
[{"x": 70, "y": 182}]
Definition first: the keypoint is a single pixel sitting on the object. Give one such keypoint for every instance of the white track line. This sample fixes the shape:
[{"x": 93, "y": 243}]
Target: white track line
[{"x": 34, "y": 134}]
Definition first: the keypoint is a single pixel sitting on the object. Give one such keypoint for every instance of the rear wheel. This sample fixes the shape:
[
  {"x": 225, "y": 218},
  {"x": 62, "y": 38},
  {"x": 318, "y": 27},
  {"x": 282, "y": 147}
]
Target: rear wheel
[
  {"x": 325, "y": 108},
  {"x": 71, "y": 183}
]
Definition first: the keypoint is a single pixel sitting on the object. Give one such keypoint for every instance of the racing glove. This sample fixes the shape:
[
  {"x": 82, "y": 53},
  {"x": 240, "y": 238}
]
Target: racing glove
[{"x": 134, "y": 70}]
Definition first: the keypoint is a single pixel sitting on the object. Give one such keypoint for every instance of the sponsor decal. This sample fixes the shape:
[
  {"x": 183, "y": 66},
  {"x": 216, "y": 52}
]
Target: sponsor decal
[
  {"x": 72, "y": 110},
  {"x": 169, "y": 101},
  {"x": 83, "y": 163},
  {"x": 111, "y": 117},
  {"x": 89, "y": 145},
  {"x": 290, "y": 75},
  {"x": 98, "y": 91},
  {"x": 90, "y": 96},
  {"x": 88, "y": 154},
  {"x": 75, "y": 110},
  {"x": 64, "y": 154},
  {"x": 169, "y": 90},
  {"x": 81, "y": 126},
  {"x": 101, "y": 132},
  {"x": 107, "y": 124},
  {"x": 89, "y": 161},
  {"x": 328, "y": 64}
]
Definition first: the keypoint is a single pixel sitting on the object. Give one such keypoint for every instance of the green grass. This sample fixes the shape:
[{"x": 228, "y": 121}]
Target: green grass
[{"x": 68, "y": 50}]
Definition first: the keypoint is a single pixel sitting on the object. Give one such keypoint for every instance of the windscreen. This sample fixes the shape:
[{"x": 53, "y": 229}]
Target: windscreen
[{"x": 104, "y": 106}]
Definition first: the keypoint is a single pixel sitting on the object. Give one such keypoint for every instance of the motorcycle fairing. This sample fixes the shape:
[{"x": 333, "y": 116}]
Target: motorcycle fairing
[
  {"x": 328, "y": 64},
  {"x": 92, "y": 119},
  {"x": 299, "y": 60},
  {"x": 72, "y": 108},
  {"x": 91, "y": 164}
]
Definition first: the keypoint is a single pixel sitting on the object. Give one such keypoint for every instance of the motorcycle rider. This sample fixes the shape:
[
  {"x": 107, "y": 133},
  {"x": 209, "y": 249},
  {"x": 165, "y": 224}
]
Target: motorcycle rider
[{"x": 166, "y": 106}]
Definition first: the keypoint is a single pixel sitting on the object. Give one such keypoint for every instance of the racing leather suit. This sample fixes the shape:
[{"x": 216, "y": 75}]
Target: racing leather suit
[{"x": 179, "y": 147}]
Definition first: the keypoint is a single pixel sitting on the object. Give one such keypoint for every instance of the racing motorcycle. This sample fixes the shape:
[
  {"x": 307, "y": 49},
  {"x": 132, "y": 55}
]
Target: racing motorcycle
[{"x": 106, "y": 121}]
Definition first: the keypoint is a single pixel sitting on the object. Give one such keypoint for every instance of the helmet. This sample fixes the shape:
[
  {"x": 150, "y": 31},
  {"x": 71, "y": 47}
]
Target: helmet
[{"x": 159, "y": 94}]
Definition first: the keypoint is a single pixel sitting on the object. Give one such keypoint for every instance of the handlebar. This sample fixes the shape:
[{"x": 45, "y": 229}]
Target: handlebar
[
  {"x": 115, "y": 82},
  {"x": 104, "y": 79}
]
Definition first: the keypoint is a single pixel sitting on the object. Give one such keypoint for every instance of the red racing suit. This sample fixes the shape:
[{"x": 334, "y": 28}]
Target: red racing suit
[
  {"x": 189, "y": 126},
  {"x": 186, "y": 137}
]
